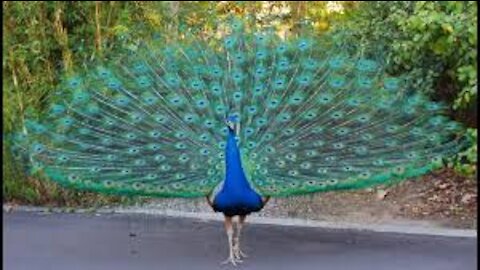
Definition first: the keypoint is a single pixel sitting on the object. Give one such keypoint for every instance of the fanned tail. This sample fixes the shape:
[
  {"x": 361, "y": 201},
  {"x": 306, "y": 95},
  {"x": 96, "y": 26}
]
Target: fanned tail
[{"x": 313, "y": 117}]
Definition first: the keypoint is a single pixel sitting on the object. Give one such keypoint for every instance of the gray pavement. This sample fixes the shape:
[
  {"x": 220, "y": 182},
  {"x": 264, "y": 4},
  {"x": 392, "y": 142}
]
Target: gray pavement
[{"x": 34, "y": 240}]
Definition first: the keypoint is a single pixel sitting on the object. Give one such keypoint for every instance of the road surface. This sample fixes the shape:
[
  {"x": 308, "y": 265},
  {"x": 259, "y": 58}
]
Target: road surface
[{"x": 41, "y": 241}]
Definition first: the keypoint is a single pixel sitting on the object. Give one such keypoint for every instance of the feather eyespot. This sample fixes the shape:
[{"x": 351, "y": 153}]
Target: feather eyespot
[
  {"x": 137, "y": 185},
  {"x": 332, "y": 181},
  {"x": 108, "y": 183}
]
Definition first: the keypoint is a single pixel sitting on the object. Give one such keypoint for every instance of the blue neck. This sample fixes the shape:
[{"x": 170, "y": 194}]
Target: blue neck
[
  {"x": 236, "y": 196},
  {"x": 235, "y": 177}
]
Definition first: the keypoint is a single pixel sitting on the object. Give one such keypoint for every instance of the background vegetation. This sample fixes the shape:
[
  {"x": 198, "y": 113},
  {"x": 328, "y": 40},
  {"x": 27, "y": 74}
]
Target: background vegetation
[{"x": 435, "y": 42}]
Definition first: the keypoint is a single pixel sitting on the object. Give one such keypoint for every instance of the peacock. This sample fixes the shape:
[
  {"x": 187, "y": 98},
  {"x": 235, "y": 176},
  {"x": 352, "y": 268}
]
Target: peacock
[{"x": 237, "y": 118}]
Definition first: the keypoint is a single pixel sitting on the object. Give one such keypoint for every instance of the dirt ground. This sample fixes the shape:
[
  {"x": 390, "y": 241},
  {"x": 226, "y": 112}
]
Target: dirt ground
[{"x": 442, "y": 197}]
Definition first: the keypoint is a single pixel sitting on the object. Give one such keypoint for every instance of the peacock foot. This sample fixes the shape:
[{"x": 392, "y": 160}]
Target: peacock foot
[
  {"x": 238, "y": 253},
  {"x": 231, "y": 259}
]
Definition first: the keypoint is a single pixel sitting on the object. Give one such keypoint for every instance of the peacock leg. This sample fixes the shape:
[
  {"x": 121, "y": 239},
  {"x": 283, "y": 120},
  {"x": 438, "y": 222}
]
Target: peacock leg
[
  {"x": 238, "y": 253},
  {"x": 229, "y": 230}
]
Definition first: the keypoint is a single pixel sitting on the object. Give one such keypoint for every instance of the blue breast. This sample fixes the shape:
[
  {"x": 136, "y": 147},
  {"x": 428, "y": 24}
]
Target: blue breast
[{"x": 236, "y": 196}]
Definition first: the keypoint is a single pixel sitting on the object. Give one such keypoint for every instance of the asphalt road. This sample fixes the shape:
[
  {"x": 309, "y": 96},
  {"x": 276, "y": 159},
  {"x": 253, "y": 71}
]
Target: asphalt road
[{"x": 113, "y": 241}]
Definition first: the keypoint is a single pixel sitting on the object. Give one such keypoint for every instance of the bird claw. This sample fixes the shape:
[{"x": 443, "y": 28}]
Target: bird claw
[{"x": 232, "y": 260}]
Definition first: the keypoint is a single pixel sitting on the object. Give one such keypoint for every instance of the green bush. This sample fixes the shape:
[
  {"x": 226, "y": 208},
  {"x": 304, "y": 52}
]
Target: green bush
[
  {"x": 42, "y": 41},
  {"x": 465, "y": 163},
  {"x": 430, "y": 40},
  {"x": 435, "y": 42}
]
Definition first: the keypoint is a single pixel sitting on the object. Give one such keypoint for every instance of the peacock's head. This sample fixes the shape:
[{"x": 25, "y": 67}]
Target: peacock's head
[{"x": 232, "y": 122}]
